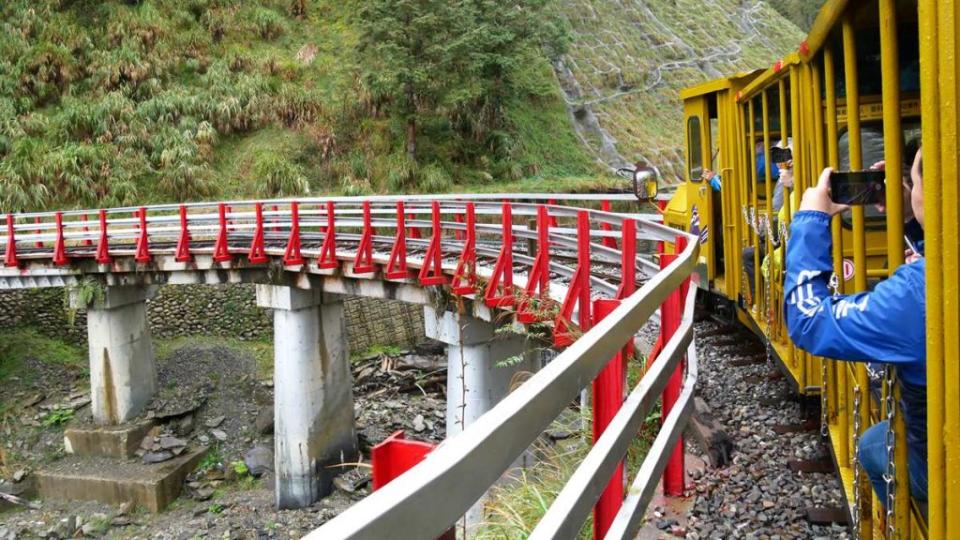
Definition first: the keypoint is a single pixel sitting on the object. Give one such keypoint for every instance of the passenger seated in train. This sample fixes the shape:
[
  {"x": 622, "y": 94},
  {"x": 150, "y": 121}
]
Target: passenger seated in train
[
  {"x": 783, "y": 173},
  {"x": 885, "y": 325}
]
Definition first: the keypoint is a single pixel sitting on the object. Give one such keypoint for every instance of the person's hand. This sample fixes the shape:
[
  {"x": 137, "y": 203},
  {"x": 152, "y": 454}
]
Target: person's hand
[
  {"x": 818, "y": 199},
  {"x": 910, "y": 257}
]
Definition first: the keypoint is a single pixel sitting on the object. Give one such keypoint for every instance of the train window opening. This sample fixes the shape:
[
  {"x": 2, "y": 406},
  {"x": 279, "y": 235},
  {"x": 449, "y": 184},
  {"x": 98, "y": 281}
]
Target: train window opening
[
  {"x": 869, "y": 73},
  {"x": 716, "y": 197},
  {"x": 694, "y": 149}
]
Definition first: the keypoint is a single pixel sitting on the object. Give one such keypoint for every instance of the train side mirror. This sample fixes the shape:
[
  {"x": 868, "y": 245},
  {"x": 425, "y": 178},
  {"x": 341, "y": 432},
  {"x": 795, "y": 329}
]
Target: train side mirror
[{"x": 646, "y": 183}]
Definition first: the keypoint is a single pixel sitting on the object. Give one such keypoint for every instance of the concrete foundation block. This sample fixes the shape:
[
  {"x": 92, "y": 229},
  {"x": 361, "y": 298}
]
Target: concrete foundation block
[
  {"x": 113, "y": 481},
  {"x": 119, "y": 441}
]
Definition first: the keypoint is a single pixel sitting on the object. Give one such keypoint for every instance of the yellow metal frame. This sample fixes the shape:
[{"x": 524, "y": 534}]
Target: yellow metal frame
[{"x": 812, "y": 115}]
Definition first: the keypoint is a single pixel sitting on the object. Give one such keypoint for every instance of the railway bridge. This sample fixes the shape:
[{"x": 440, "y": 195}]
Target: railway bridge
[{"x": 486, "y": 269}]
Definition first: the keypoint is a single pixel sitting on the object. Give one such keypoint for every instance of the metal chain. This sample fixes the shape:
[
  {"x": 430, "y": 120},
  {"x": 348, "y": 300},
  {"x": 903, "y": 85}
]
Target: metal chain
[
  {"x": 784, "y": 232},
  {"x": 890, "y": 477},
  {"x": 856, "y": 462},
  {"x": 824, "y": 402},
  {"x": 824, "y": 417}
]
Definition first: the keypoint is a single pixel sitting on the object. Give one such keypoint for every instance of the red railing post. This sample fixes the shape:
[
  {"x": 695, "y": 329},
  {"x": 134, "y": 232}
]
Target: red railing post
[
  {"x": 103, "y": 246},
  {"x": 397, "y": 264},
  {"x": 431, "y": 273},
  {"x": 258, "y": 251},
  {"x": 39, "y": 231},
  {"x": 502, "y": 277},
  {"x": 553, "y": 219},
  {"x": 608, "y": 241},
  {"x": 292, "y": 255},
  {"x": 670, "y": 314},
  {"x": 10, "y": 257},
  {"x": 183, "y": 243},
  {"x": 363, "y": 263},
  {"x": 143, "y": 240},
  {"x": 538, "y": 283},
  {"x": 662, "y": 206},
  {"x": 628, "y": 262},
  {"x": 579, "y": 291},
  {"x": 465, "y": 276},
  {"x": 221, "y": 249},
  {"x": 59, "y": 247},
  {"x": 395, "y": 456},
  {"x": 328, "y": 251},
  {"x": 607, "y": 400},
  {"x": 86, "y": 241}
]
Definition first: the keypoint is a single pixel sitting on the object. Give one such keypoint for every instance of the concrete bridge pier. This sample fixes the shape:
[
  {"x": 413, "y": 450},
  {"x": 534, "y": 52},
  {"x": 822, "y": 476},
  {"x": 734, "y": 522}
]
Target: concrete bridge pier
[
  {"x": 313, "y": 403},
  {"x": 123, "y": 373},
  {"x": 474, "y": 381}
]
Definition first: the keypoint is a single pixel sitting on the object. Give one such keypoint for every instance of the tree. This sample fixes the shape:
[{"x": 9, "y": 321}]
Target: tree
[
  {"x": 506, "y": 37},
  {"x": 413, "y": 55}
]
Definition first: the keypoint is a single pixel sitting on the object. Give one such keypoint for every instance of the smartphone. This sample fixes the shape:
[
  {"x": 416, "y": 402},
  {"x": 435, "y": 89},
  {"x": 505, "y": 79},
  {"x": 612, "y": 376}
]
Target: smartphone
[
  {"x": 780, "y": 155},
  {"x": 858, "y": 187}
]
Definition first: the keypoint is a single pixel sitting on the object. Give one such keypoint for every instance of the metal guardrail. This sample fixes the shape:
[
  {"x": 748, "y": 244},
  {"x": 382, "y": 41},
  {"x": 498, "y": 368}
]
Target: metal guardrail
[{"x": 432, "y": 496}]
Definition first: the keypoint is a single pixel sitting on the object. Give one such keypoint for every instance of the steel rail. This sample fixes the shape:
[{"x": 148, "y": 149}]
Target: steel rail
[
  {"x": 434, "y": 494},
  {"x": 518, "y": 197}
]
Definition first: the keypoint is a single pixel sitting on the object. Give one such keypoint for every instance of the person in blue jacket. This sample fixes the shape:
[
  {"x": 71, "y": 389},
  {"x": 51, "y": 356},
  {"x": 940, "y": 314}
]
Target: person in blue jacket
[{"x": 886, "y": 325}]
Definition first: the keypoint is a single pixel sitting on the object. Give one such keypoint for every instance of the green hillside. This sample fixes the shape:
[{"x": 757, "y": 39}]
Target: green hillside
[
  {"x": 106, "y": 103},
  {"x": 800, "y": 12},
  {"x": 628, "y": 60},
  {"x": 122, "y": 102}
]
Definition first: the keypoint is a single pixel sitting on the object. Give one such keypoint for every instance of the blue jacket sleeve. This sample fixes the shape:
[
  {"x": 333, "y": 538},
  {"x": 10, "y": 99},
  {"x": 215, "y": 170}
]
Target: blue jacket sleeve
[{"x": 887, "y": 324}]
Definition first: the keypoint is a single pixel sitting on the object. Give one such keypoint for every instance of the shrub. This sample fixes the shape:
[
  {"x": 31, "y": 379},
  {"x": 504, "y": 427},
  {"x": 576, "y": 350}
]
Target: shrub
[
  {"x": 434, "y": 179},
  {"x": 267, "y": 23},
  {"x": 277, "y": 176}
]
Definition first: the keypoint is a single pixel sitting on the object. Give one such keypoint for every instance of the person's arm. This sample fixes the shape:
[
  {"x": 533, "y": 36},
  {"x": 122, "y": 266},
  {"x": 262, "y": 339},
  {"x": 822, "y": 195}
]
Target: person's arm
[{"x": 886, "y": 324}]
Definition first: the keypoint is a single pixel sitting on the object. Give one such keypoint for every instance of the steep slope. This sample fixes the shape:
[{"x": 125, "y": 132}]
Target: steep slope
[
  {"x": 630, "y": 58},
  {"x": 801, "y": 12}
]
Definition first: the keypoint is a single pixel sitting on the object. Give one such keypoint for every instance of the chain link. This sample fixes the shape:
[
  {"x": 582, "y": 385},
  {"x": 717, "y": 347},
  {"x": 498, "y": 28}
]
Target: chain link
[
  {"x": 890, "y": 477},
  {"x": 824, "y": 401},
  {"x": 856, "y": 462}
]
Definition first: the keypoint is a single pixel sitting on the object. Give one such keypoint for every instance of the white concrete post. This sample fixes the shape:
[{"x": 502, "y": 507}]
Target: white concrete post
[
  {"x": 475, "y": 383},
  {"x": 313, "y": 392},
  {"x": 123, "y": 374}
]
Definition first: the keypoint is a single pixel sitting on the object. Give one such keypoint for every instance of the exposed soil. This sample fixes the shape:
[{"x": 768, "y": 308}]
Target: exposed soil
[{"x": 214, "y": 396}]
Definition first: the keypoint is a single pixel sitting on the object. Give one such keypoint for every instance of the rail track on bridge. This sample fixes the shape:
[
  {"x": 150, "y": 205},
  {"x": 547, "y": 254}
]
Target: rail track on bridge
[{"x": 521, "y": 258}]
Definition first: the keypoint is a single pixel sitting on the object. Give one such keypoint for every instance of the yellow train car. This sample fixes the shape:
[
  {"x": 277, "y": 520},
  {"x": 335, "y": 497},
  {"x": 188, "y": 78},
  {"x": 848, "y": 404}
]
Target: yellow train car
[{"x": 872, "y": 81}]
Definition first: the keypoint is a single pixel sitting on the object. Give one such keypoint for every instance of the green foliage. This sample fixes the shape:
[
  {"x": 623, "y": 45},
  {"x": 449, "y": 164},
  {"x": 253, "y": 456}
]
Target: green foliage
[
  {"x": 277, "y": 176},
  {"x": 801, "y": 12},
  {"x": 57, "y": 417},
  {"x": 120, "y": 103},
  {"x": 240, "y": 468},
  {"x": 268, "y": 23},
  {"x": 215, "y": 508},
  {"x": 211, "y": 460},
  {"x": 18, "y": 345},
  {"x": 88, "y": 292}
]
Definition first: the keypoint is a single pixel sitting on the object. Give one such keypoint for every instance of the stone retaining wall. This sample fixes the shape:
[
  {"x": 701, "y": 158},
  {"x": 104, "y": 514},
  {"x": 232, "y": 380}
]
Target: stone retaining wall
[{"x": 208, "y": 310}]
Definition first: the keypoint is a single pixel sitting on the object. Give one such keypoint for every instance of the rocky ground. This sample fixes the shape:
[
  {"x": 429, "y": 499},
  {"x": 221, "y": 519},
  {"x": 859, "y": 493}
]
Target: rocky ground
[
  {"x": 757, "y": 496},
  {"x": 218, "y": 397}
]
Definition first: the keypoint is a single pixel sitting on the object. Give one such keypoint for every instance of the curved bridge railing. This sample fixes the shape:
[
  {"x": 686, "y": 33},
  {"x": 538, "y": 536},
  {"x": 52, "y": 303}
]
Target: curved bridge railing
[{"x": 571, "y": 268}]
